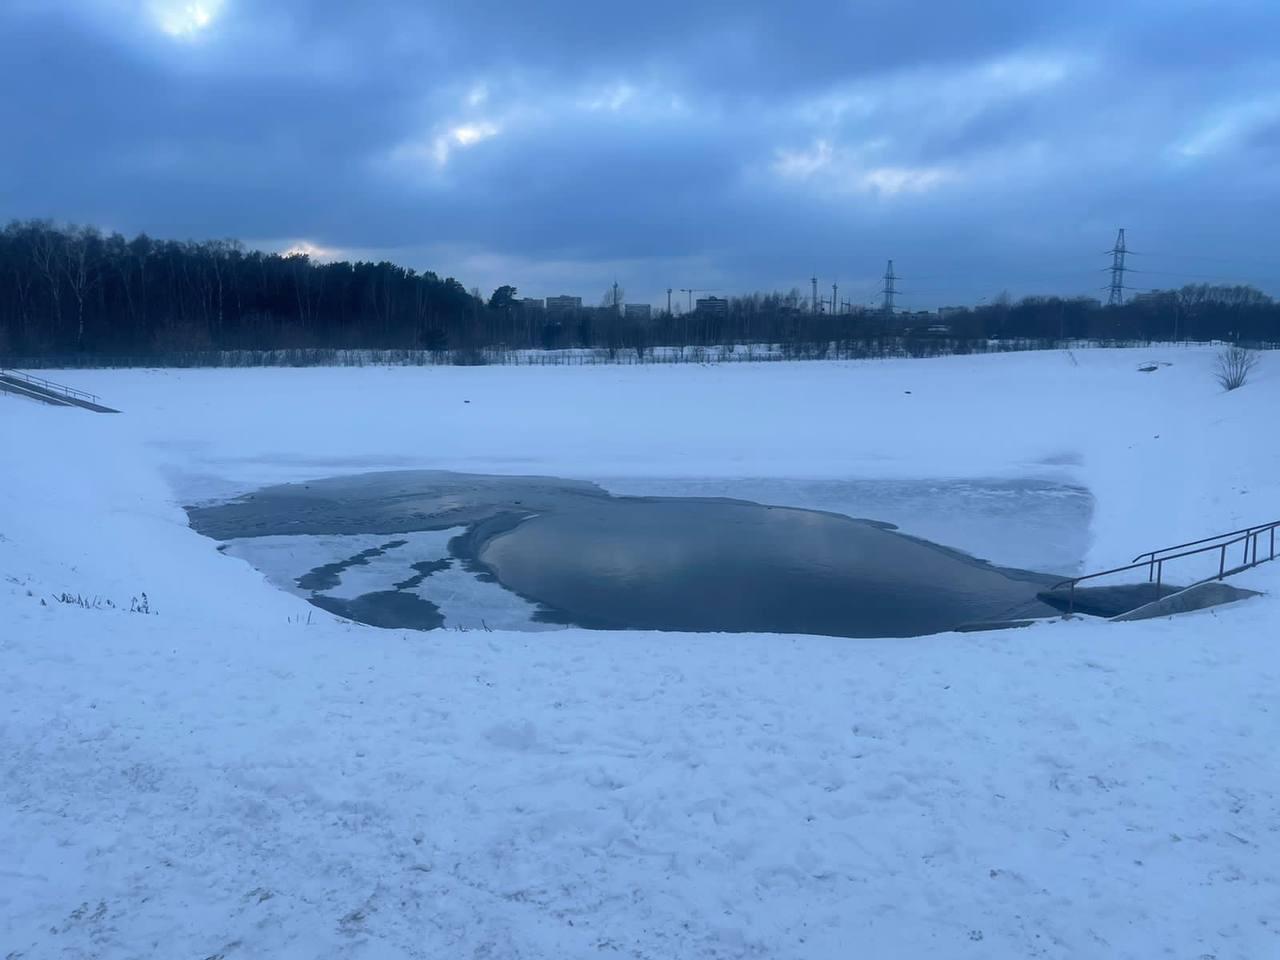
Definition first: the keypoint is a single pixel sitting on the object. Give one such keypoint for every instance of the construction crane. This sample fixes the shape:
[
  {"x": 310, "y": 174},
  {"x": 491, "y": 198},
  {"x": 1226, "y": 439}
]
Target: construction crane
[{"x": 692, "y": 290}]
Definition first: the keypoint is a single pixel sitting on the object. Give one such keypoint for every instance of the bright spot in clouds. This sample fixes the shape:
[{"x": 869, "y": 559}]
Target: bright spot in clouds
[
  {"x": 305, "y": 248},
  {"x": 469, "y": 133},
  {"x": 891, "y": 180},
  {"x": 185, "y": 19},
  {"x": 844, "y": 170},
  {"x": 800, "y": 164},
  {"x": 463, "y": 135}
]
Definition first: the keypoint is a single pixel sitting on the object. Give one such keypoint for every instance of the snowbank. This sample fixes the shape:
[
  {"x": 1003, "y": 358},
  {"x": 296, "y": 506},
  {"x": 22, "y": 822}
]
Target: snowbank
[{"x": 223, "y": 777}]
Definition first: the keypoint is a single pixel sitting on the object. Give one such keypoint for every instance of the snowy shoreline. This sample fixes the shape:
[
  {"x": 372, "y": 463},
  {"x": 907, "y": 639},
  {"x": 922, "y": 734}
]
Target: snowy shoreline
[{"x": 223, "y": 777}]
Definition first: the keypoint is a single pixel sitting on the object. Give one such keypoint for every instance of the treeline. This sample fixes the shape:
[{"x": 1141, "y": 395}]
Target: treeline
[
  {"x": 73, "y": 291},
  {"x": 70, "y": 290},
  {"x": 1198, "y": 312}
]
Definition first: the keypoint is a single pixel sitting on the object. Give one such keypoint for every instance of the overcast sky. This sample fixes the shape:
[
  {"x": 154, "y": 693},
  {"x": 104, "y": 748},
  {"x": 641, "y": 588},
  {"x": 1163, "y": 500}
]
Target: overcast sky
[{"x": 561, "y": 145}]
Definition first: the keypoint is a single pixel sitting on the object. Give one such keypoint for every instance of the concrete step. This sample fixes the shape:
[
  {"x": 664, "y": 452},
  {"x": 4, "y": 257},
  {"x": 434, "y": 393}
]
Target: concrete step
[
  {"x": 1200, "y": 596},
  {"x": 1107, "y": 602}
]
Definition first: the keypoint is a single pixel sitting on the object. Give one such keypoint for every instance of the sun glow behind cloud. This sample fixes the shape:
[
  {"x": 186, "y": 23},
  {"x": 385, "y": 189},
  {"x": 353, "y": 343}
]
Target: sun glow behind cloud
[
  {"x": 464, "y": 135},
  {"x": 305, "y": 248},
  {"x": 185, "y": 19}
]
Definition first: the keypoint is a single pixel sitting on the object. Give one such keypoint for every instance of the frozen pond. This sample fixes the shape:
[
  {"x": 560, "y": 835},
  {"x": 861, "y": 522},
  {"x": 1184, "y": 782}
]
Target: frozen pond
[{"x": 424, "y": 549}]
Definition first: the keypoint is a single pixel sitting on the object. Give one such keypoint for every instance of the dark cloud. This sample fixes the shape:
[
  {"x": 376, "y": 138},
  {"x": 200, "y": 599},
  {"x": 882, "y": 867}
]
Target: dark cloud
[{"x": 984, "y": 146}]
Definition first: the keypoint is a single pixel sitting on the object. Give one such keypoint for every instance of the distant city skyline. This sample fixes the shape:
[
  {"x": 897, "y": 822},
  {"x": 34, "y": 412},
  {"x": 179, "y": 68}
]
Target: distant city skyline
[{"x": 562, "y": 146}]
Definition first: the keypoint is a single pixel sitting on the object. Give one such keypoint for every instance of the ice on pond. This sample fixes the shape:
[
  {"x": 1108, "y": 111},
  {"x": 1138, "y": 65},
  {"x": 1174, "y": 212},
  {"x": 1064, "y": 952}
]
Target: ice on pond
[
  {"x": 430, "y": 548},
  {"x": 354, "y": 567},
  {"x": 1031, "y": 523}
]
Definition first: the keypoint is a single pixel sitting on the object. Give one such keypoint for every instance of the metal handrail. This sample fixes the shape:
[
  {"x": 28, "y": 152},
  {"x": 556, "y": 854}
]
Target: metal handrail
[
  {"x": 1155, "y": 564},
  {"x": 20, "y": 389},
  {"x": 1261, "y": 528},
  {"x": 50, "y": 385}
]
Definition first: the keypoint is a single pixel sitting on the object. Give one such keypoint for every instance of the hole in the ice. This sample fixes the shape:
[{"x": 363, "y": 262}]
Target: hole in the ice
[{"x": 425, "y": 549}]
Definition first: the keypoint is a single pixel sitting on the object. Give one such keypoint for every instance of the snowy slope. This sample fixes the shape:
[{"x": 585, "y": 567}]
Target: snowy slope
[{"x": 222, "y": 778}]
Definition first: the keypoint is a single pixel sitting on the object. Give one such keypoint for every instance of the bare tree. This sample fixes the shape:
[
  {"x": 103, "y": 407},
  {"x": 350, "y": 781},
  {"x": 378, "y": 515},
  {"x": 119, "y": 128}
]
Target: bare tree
[
  {"x": 613, "y": 297},
  {"x": 46, "y": 254},
  {"x": 1234, "y": 366},
  {"x": 79, "y": 265},
  {"x": 21, "y": 280}
]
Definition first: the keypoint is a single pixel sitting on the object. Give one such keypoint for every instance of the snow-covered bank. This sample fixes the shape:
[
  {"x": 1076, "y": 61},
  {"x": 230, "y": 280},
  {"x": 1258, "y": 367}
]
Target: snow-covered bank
[{"x": 222, "y": 778}]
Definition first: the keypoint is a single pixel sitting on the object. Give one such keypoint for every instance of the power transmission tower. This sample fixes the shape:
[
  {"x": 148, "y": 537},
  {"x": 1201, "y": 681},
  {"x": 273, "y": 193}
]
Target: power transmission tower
[
  {"x": 668, "y": 301},
  {"x": 890, "y": 289},
  {"x": 814, "y": 306},
  {"x": 1117, "y": 271},
  {"x": 835, "y": 287},
  {"x": 617, "y": 307}
]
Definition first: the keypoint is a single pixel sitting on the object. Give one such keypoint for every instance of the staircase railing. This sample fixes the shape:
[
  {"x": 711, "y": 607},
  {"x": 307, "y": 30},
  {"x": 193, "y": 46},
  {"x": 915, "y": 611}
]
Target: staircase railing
[
  {"x": 1250, "y": 534},
  {"x": 1154, "y": 560},
  {"x": 49, "y": 385}
]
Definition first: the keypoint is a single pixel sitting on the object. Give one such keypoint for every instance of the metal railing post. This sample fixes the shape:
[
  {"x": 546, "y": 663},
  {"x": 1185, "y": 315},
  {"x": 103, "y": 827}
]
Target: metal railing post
[
  {"x": 1222, "y": 562},
  {"x": 1159, "y": 577}
]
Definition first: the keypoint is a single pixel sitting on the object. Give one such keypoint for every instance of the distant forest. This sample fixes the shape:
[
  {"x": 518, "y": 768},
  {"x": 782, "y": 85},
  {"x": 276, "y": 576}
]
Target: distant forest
[{"x": 73, "y": 291}]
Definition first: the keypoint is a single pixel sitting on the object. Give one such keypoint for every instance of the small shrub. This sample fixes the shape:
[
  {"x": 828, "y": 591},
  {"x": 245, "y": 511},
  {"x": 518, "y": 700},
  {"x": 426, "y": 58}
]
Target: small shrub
[
  {"x": 1234, "y": 366},
  {"x": 77, "y": 600},
  {"x": 136, "y": 604}
]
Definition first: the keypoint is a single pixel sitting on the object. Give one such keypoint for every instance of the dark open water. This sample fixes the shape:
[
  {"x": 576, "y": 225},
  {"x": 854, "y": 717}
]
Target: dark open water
[{"x": 590, "y": 559}]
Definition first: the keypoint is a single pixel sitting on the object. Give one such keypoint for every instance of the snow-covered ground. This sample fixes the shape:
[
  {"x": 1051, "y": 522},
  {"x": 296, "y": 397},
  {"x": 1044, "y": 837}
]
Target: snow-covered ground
[{"x": 229, "y": 777}]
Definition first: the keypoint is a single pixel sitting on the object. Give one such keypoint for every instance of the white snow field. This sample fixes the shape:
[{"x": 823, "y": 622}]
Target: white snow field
[{"x": 240, "y": 775}]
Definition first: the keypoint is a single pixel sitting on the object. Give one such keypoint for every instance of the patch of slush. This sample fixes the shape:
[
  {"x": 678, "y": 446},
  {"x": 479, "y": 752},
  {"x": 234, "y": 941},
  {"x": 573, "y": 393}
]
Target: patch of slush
[
  {"x": 1028, "y": 523},
  {"x": 395, "y": 565},
  {"x": 283, "y": 559},
  {"x": 470, "y": 602},
  {"x": 465, "y": 600}
]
